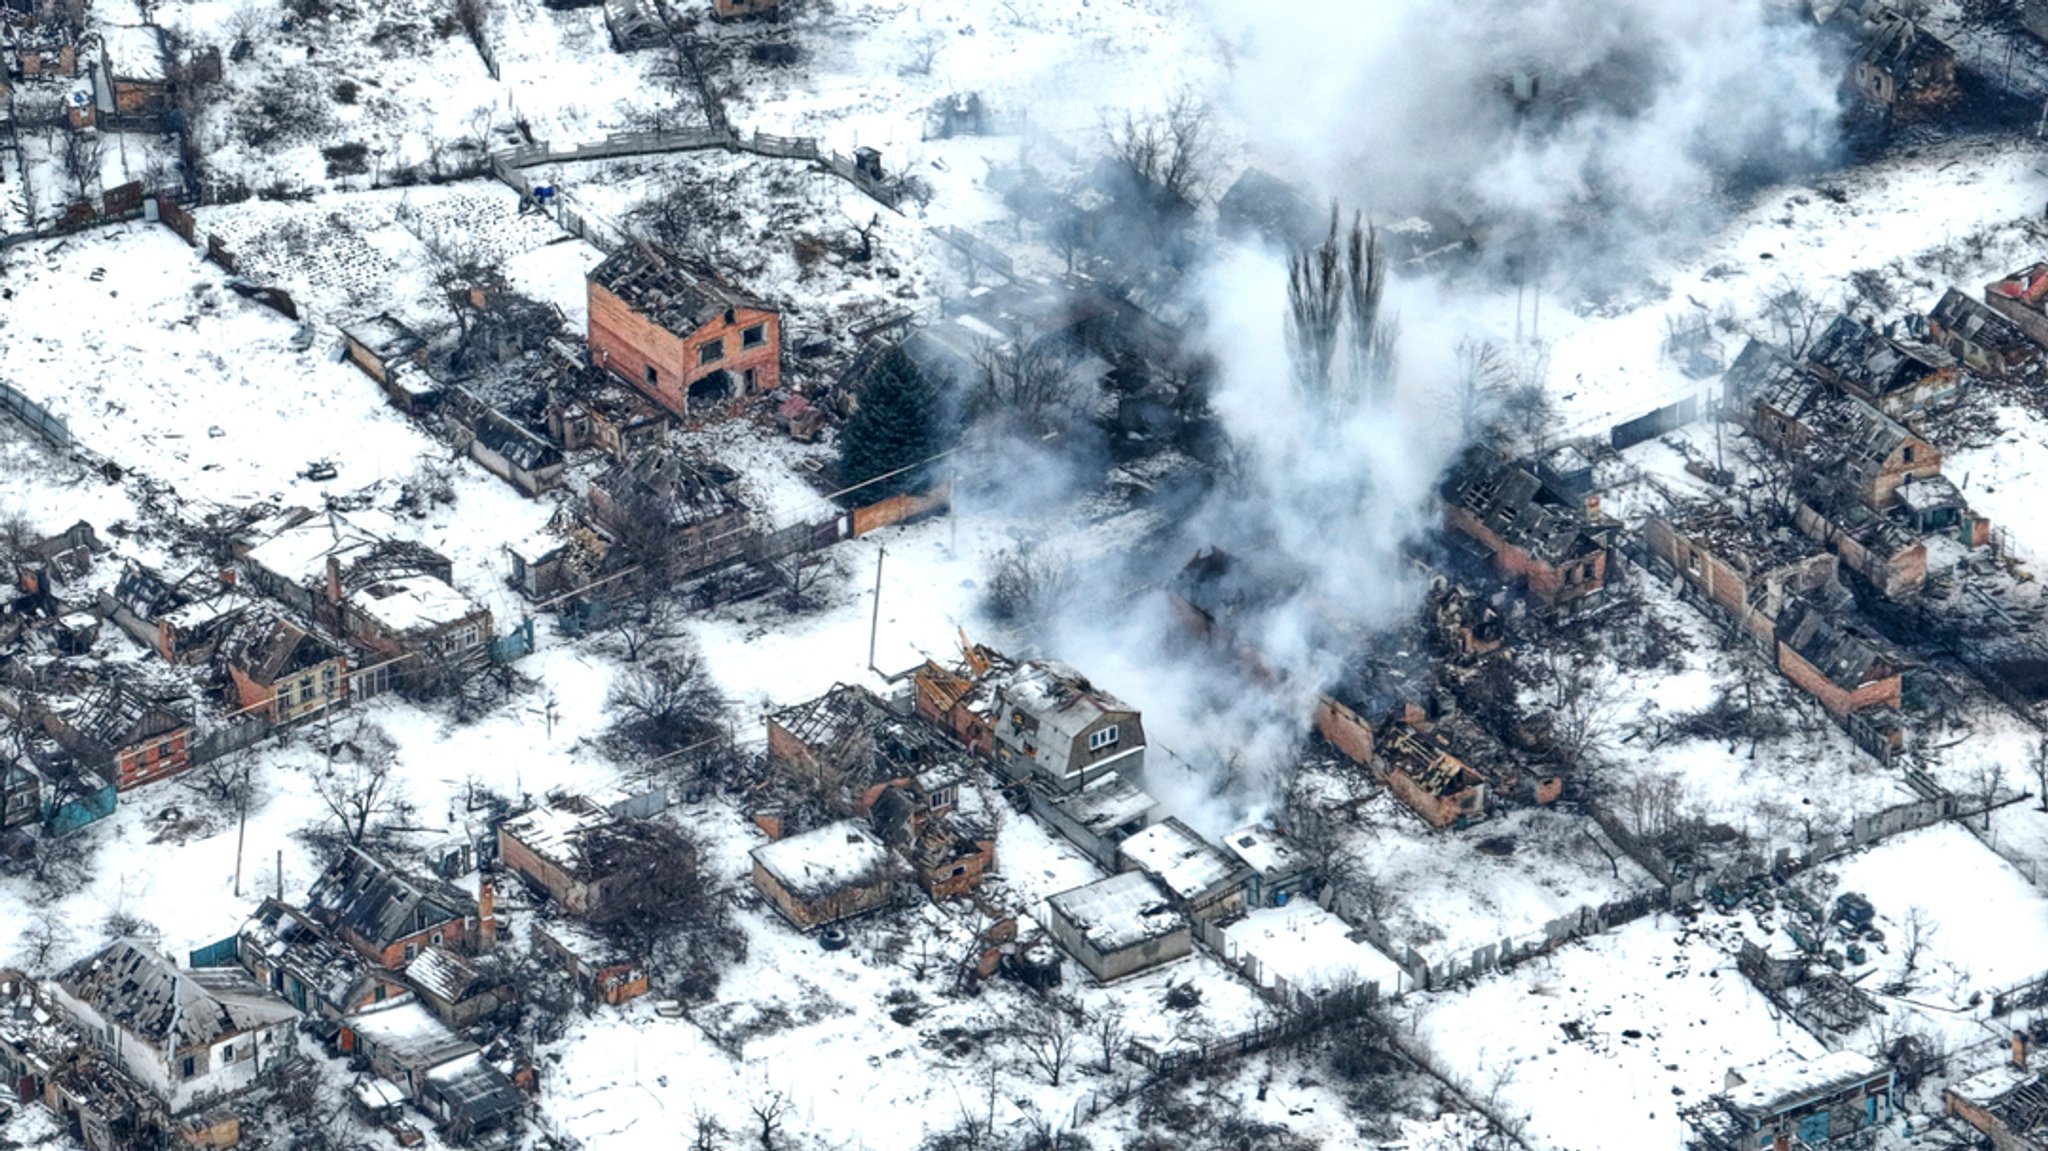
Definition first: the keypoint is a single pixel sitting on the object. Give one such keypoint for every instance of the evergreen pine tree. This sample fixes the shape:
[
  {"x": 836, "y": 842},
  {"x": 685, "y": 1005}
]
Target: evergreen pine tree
[{"x": 899, "y": 423}]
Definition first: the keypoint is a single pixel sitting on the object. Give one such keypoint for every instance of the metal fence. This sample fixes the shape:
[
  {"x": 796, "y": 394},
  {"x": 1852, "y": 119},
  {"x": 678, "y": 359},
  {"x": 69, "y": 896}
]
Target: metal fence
[{"x": 40, "y": 420}]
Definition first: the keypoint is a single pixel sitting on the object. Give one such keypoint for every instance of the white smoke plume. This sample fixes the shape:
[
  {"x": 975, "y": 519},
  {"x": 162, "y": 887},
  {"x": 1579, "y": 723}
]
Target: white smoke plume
[{"x": 1642, "y": 112}]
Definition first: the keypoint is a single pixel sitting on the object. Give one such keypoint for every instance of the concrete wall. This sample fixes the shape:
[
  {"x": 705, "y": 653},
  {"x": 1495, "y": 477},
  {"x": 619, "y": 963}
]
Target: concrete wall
[{"x": 1112, "y": 965}]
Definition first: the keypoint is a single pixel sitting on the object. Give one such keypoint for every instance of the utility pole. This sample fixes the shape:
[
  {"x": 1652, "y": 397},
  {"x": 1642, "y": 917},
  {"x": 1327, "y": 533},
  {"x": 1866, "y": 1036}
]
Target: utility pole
[
  {"x": 875, "y": 621},
  {"x": 241, "y": 834}
]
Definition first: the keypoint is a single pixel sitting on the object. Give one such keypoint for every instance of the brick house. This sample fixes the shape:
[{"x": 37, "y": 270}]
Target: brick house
[
  {"x": 134, "y": 77},
  {"x": 679, "y": 333},
  {"x": 282, "y": 671},
  {"x": 597, "y": 965},
  {"x": 1833, "y": 663},
  {"x": 291, "y": 955},
  {"x": 388, "y": 916},
  {"x": 822, "y": 876},
  {"x": 1986, "y": 341},
  {"x": 1740, "y": 565},
  {"x": 583, "y": 854},
  {"x": 2019, "y": 298},
  {"x": 685, "y": 511},
  {"x": 1790, "y": 1100},
  {"x": 739, "y": 9},
  {"x": 2007, "y": 1103},
  {"x": 124, "y": 733},
  {"x": 391, "y": 353},
  {"x": 1901, "y": 68},
  {"x": 1894, "y": 376},
  {"x": 1558, "y": 550},
  {"x": 1418, "y": 765}
]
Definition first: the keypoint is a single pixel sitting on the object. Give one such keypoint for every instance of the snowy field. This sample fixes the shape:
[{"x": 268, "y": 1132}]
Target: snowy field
[{"x": 1598, "y": 1045}]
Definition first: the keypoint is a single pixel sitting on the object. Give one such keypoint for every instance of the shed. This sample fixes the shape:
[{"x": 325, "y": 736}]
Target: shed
[
  {"x": 832, "y": 873},
  {"x": 1118, "y": 926}
]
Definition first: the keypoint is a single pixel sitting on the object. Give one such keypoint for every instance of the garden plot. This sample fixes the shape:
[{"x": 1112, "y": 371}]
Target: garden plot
[
  {"x": 566, "y": 83},
  {"x": 363, "y": 253},
  {"x": 780, "y": 229},
  {"x": 392, "y": 92},
  {"x": 872, "y": 67},
  {"x": 1599, "y": 1044},
  {"x": 1981, "y": 925},
  {"x": 2004, "y": 480},
  {"x": 1447, "y": 893}
]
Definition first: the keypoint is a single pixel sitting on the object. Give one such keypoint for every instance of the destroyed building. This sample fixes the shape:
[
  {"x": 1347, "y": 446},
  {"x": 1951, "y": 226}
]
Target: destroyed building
[
  {"x": 1899, "y": 67},
  {"x": 585, "y": 852},
  {"x": 1741, "y": 564},
  {"x": 825, "y": 875},
  {"x": 1557, "y": 549},
  {"x": 2008, "y": 1103},
  {"x": 1792, "y": 1100},
  {"x": 680, "y": 333},
  {"x": 675, "y": 512},
  {"x": 1896, "y": 377},
  {"x": 1829, "y": 658},
  {"x": 193, "y": 1037},
  {"x": 1984, "y": 340},
  {"x": 388, "y": 915}
]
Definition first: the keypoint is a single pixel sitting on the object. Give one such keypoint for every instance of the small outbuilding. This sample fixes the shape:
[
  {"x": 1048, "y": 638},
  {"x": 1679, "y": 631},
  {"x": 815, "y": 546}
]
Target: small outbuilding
[{"x": 1119, "y": 926}]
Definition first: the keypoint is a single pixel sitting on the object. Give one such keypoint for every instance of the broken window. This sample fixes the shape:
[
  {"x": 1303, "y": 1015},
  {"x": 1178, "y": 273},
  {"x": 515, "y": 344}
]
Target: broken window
[
  {"x": 754, "y": 336},
  {"x": 1909, "y": 453},
  {"x": 652, "y": 379},
  {"x": 711, "y": 351},
  {"x": 188, "y": 1066}
]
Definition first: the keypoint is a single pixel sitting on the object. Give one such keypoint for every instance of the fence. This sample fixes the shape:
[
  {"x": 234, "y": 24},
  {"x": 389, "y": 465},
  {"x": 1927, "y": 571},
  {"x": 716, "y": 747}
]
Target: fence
[
  {"x": 1665, "y": 419},
  {"x": 896, "y": 509},
  {"x": 505, "y": 163},
  {"x": 226, "y": 740},
  {"x": 1339, "y": 1006},
  {"x": 38, "y": 419}
]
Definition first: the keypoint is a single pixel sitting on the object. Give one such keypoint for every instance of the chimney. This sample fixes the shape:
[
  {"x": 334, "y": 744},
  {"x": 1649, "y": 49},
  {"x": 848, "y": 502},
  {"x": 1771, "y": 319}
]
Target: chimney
[
  {"x": 2019, "y": 1049},
  {"x": 1593, "y": 506},
  {"x": 486, "y": 915}
]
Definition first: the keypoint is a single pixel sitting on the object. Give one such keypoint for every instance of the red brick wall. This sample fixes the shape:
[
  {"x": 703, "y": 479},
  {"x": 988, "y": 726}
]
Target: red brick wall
[
  {"x": 627, "y": 344},
  {"x": 1878, "y": 693},
  {"x": 154, "y": 759},
  {"x": 1544, "y": 581},
  {"x": 1345, "y": 731},
  {"x": 942, "y": 884}
]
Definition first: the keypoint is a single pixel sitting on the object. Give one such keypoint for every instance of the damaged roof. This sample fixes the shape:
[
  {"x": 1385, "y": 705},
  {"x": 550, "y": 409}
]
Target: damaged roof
[
  {"x": 1847, "y": 658},
  {"x": 1122, "y": 911},
  {"x": 268, "y": 647},
  {"x": 363, "y": 894},
  {"x": 1858, "y": 355},
  {"x": 131, "y": 985},
  {"x": 1512, "y": 503},
  {"x": 854, "y": 731},
  {"x": 675, "y": 293},
  {"x": 1975, "y": 321}
]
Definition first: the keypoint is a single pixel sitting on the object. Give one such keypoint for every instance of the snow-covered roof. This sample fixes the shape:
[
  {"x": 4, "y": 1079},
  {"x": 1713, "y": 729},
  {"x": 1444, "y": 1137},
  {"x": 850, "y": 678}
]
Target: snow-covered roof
[
  {"x": 1787, "y": 1078},
  {"x": 554, "y": 831},
  {"x": 1180, "y": 859},
  {"x": 1119, "y": 912},
  {"x": 412, "y": 603},
  {"x": 474, "y": 1088},
  {"x": 408, "y": 1035},
  {"x": 1060, "y": 698},
  {"x": 1310, "y": 948},
  {"x": 134, "y": 51},
  {"x": 1265, "y": 851},
  {"x": 828, "y": 859},
  {"x": 378, "y": 1094},
  {"x": 197, "y": 614},
  {"x": 1930, "y": 494},
  {"x": 442, "y": 974},
  {"x": 1110, "y": 801},
  {"x": 298, "y": 554},
  {"x": 1993, "y": 1083}
]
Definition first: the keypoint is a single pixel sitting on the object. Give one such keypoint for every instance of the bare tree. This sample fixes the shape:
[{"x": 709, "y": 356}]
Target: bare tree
[
  {"x": 228, "y": 781},
  {"x": 706, "y": 1132},
  {"x": 1651, "y": 803},
  {"x": 1028, "y": 586},
  {"x": 1583, "y": 705},
  {"x": 1916, "y": 933},
  {"x": 644, "y": 621},
  {"x": 82, "y": 152},
  {"x": 1023, "y": 382},
  {"x": 669, "y": 703},
  {"x": 1482, "y": 374},
  {"x": 2040, "y": 765},
  {"x": 1108, "y": 1030},
  {"x": 1048, "y": 1038},
  {"x": 1988, "y": 787},
  {"x": 1372, "y": 334},
  {"x": 770, "y": 1110},
  {"x": 357, "y": 789},
  {"x": 1170, "y": 152},
  {"x": 924, "y": 52},
  {"x": 1796, "y": 314},
  {"x": 44, "y": 938},
  {"x": 1315, "y": 313}
]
